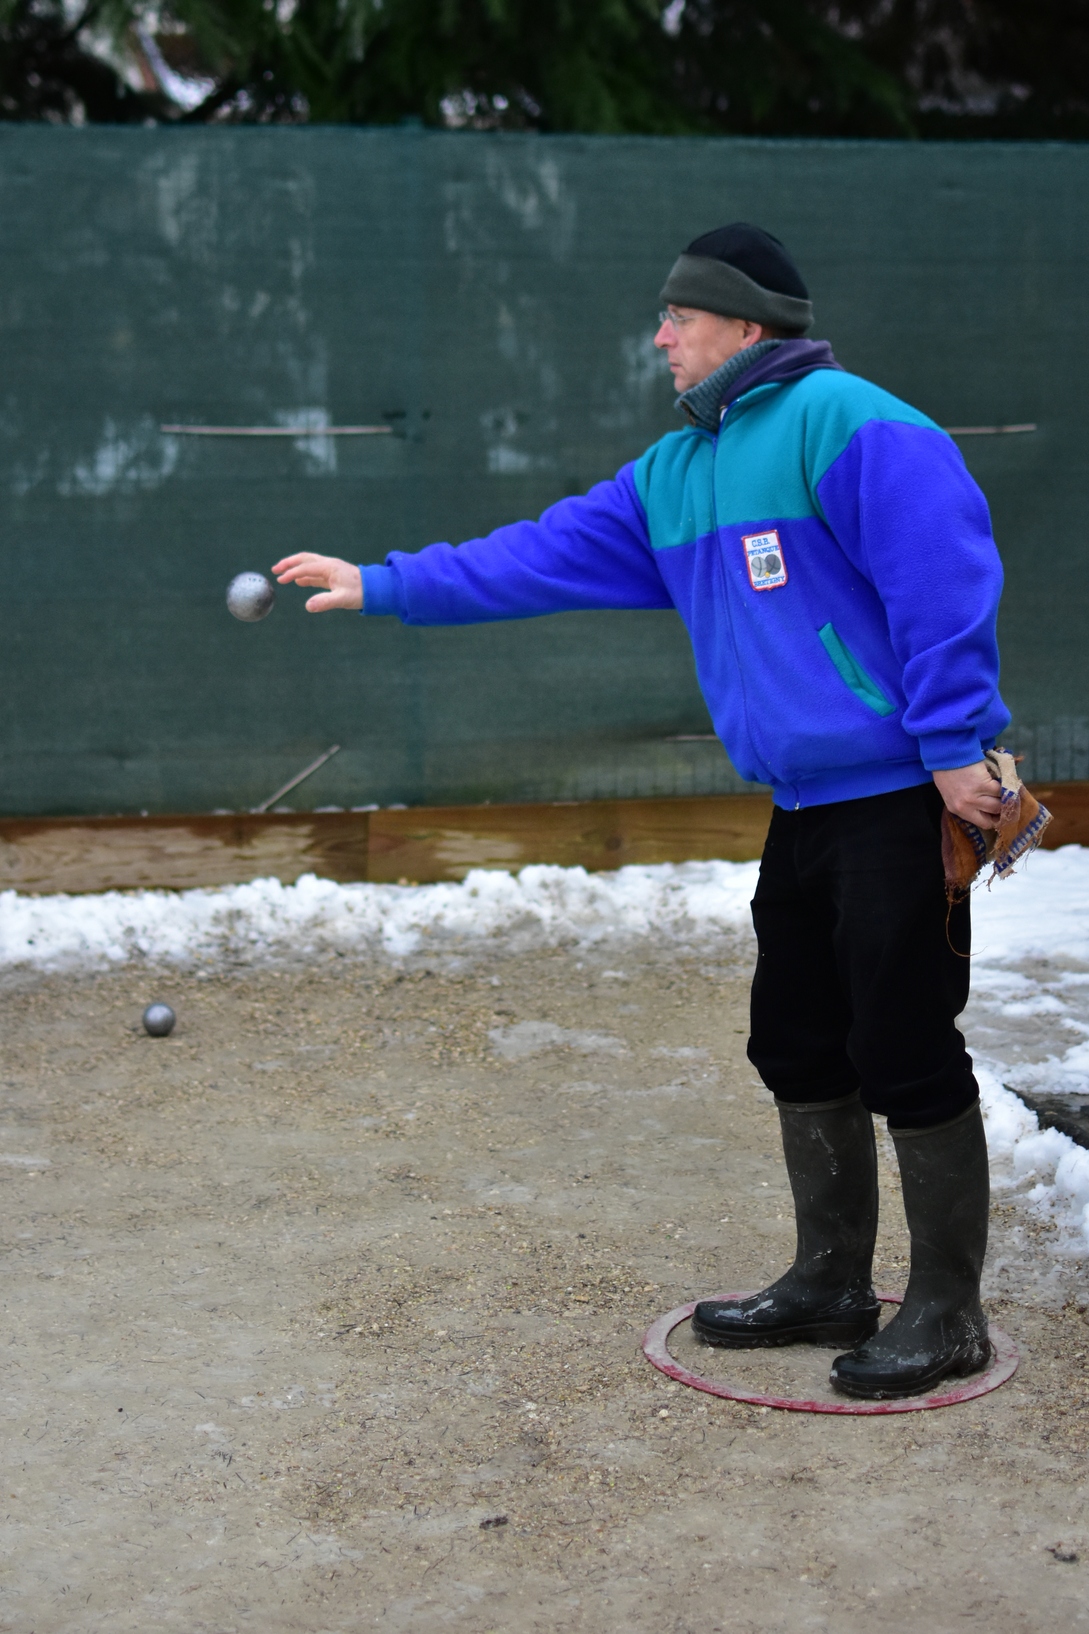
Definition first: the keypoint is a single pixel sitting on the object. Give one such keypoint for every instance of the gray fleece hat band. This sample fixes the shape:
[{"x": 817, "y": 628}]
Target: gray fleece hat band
[{"x": 711, "y": 285}]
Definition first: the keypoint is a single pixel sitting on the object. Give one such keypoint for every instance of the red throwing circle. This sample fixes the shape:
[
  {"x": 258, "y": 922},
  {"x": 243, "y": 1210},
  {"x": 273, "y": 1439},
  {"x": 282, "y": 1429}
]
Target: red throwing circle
[{"x": 1002, "y": 1367}]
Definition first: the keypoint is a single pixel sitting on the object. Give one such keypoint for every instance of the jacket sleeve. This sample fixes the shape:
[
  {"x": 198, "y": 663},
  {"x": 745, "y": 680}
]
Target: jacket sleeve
[
  {"x": 587, "y": 552},
  {"x": 906, "y": 512}
]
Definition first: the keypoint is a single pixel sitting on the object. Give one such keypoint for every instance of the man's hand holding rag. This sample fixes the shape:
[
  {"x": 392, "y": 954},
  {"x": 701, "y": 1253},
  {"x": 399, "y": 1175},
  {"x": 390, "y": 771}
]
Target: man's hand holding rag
[
  {"x": 971, "y": 792},
  {"x": 998, "y": 824}
]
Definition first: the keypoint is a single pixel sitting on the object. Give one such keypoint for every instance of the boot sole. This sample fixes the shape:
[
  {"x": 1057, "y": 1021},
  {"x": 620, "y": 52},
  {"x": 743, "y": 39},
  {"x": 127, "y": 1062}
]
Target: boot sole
[
  {"x": 960, "y": 1367},
  {"x": 825, "y": 1334}
]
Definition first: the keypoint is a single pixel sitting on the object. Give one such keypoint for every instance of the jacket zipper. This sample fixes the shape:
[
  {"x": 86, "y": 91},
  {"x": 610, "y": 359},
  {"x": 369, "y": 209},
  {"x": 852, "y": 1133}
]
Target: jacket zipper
[{"x": 726, "y": 600}]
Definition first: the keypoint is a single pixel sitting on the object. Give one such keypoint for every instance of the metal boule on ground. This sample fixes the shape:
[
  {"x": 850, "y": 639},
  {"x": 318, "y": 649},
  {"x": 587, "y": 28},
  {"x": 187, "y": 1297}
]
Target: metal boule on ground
[{"x": 159, "y": 1020}]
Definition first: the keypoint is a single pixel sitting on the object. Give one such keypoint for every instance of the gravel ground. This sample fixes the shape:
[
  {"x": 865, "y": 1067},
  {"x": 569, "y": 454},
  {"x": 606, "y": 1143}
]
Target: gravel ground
[{"x": 325, "y": 1313}]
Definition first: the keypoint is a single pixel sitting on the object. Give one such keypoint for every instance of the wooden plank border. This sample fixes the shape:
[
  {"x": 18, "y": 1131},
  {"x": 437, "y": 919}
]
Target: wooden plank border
[{"x": 422, "y": 844}]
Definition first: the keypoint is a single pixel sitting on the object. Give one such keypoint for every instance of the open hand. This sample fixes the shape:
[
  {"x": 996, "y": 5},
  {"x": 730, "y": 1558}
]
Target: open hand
[
  {"x": 971, "y": 792},
  {"x": 341, "y": 582}
]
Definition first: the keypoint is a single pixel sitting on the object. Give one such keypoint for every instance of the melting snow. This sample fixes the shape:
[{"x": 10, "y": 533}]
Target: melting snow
[{"x": 267, "y": 920}]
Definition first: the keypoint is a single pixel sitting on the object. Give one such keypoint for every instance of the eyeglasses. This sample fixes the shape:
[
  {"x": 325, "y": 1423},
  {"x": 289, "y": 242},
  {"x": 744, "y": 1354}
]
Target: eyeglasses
[{"x": 677, "y": 319}]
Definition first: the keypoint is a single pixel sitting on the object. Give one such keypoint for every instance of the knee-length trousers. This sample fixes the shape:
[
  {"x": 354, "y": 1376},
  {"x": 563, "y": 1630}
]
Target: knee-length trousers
[{"x": 862, "y": 968}]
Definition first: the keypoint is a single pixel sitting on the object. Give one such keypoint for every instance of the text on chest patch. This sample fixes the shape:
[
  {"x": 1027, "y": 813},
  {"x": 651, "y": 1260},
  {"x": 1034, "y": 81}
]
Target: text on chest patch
[{"x": 764, "y": 559}]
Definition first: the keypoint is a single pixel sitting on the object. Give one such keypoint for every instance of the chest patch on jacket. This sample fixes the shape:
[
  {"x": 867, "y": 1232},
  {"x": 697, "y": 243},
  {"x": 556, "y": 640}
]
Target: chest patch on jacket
[{"x": 764, "y": 558}]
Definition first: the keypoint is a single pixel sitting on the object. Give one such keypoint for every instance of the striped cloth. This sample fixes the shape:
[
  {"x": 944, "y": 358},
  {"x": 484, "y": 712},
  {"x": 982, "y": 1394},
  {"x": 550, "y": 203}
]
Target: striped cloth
[{"x": 967, "y": 849}]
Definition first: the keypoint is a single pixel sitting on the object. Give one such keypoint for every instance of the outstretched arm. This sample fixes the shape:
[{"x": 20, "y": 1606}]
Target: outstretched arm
[{"x": 589, "y": 551}]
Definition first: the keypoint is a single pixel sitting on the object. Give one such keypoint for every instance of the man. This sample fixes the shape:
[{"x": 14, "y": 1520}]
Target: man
[{"x": 834, "y": 564}]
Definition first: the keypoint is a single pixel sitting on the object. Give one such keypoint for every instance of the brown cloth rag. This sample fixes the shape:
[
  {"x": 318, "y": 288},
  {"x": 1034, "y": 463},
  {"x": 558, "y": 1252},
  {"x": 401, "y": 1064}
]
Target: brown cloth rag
[{"x": 1021, "y": 823}]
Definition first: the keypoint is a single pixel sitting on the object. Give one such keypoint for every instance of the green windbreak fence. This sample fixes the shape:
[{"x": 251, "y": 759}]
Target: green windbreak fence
[{"x": 492, "y": 300}]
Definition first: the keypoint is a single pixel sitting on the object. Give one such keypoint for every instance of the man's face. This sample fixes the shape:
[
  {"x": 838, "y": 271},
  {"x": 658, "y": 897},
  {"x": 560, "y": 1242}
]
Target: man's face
[{"x": 697, "y": 343}]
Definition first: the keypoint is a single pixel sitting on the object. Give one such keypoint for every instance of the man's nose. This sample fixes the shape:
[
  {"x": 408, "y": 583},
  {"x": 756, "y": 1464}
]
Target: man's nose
[{"x": 664, "y": 337}]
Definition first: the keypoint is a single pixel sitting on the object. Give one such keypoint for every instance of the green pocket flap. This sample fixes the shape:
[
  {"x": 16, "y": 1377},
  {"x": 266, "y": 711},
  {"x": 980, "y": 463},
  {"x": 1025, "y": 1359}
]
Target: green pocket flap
[{"x": 851, "y": 671}]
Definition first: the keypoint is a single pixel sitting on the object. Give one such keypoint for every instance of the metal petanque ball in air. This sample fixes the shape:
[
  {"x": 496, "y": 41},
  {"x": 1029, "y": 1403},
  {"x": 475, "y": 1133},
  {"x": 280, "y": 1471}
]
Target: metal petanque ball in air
[
  {"x": 159, "y": 1020},
  {"x": 250, "y": 597}
]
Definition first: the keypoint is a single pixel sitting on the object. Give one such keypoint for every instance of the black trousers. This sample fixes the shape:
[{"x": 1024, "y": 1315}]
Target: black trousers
[{"x": 861, "y": 970}]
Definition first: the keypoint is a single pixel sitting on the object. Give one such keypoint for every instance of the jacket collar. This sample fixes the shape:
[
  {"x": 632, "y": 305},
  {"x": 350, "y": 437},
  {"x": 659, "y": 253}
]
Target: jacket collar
[
  {"x": 769, "y": 362},
  {"x": 702, "y": 403}
]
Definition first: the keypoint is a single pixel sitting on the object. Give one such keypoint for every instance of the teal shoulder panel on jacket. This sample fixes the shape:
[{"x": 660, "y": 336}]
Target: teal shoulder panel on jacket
[
  {"x": 673, "y": 480},
  {"x": 777, "y": 442},
  {"x": 836, "y": 405}
]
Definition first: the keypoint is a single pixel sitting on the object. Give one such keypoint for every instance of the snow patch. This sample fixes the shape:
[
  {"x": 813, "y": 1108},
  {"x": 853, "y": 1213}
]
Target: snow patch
[
  {"x": 264, "y": 920},
  {"x": 1029, "y": 935},
  {"x": 531, "y": 1037}
]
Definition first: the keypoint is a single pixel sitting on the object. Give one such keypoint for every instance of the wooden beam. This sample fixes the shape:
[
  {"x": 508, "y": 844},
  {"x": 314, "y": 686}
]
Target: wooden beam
[
  {"x": 78, "y": 854},
  {"x": 444, "y": 842},
  {"x": 1068, "y": 804},
  {"x": 425, "y": 843},
  {"x": 174, "y": 853}
]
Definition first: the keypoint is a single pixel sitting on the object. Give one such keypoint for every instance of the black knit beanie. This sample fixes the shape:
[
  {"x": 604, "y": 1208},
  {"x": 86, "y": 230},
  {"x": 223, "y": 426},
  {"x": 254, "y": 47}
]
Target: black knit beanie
[{"x": 741, "y": 272}]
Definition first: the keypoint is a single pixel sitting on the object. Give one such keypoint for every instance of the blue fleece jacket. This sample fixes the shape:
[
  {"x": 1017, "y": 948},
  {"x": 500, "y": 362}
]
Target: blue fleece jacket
[{"x": 827, "y": 550}]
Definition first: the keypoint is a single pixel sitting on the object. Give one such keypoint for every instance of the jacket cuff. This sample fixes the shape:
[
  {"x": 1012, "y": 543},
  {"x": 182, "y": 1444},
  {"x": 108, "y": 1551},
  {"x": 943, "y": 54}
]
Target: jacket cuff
[
  {"x": 383, "y": 592},
  {"x": 945, "y": 751}
]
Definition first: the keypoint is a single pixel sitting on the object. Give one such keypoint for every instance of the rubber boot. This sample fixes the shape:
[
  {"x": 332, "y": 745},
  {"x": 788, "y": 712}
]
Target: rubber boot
[
  {"x": 827, "y": 1297},
  {"x": 940, "y": 1329}
]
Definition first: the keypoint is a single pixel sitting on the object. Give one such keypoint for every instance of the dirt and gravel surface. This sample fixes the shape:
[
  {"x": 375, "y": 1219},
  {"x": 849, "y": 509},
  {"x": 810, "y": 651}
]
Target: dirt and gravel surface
[{"x": 325, "y": 1313}]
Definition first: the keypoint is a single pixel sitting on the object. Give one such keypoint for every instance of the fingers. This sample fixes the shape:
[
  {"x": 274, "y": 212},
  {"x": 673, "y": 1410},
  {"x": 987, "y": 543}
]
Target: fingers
[
  {"x": 305, "y": 569},
  {"x": 988, "y": 806},
  {"x": 982, "y": 809},
  {"x": 975, "y": 804},
  {"x": 969, "y": 813},
  {"x": 288, "y": 562},
  {"x": 333, "y": 599},
  {"x": 341, "y": 582},
  {"x": 971, "y": 793}
]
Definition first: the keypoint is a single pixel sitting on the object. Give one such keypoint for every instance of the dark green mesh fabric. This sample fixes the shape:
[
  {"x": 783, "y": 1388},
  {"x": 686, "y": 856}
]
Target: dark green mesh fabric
[{"x": 493, "y": 299}]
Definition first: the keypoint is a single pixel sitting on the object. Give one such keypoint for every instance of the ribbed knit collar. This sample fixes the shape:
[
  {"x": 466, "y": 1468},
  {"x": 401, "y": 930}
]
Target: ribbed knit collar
[
  {"x": 768, "y": 363},
  {"x": 702, "y": 404}
]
